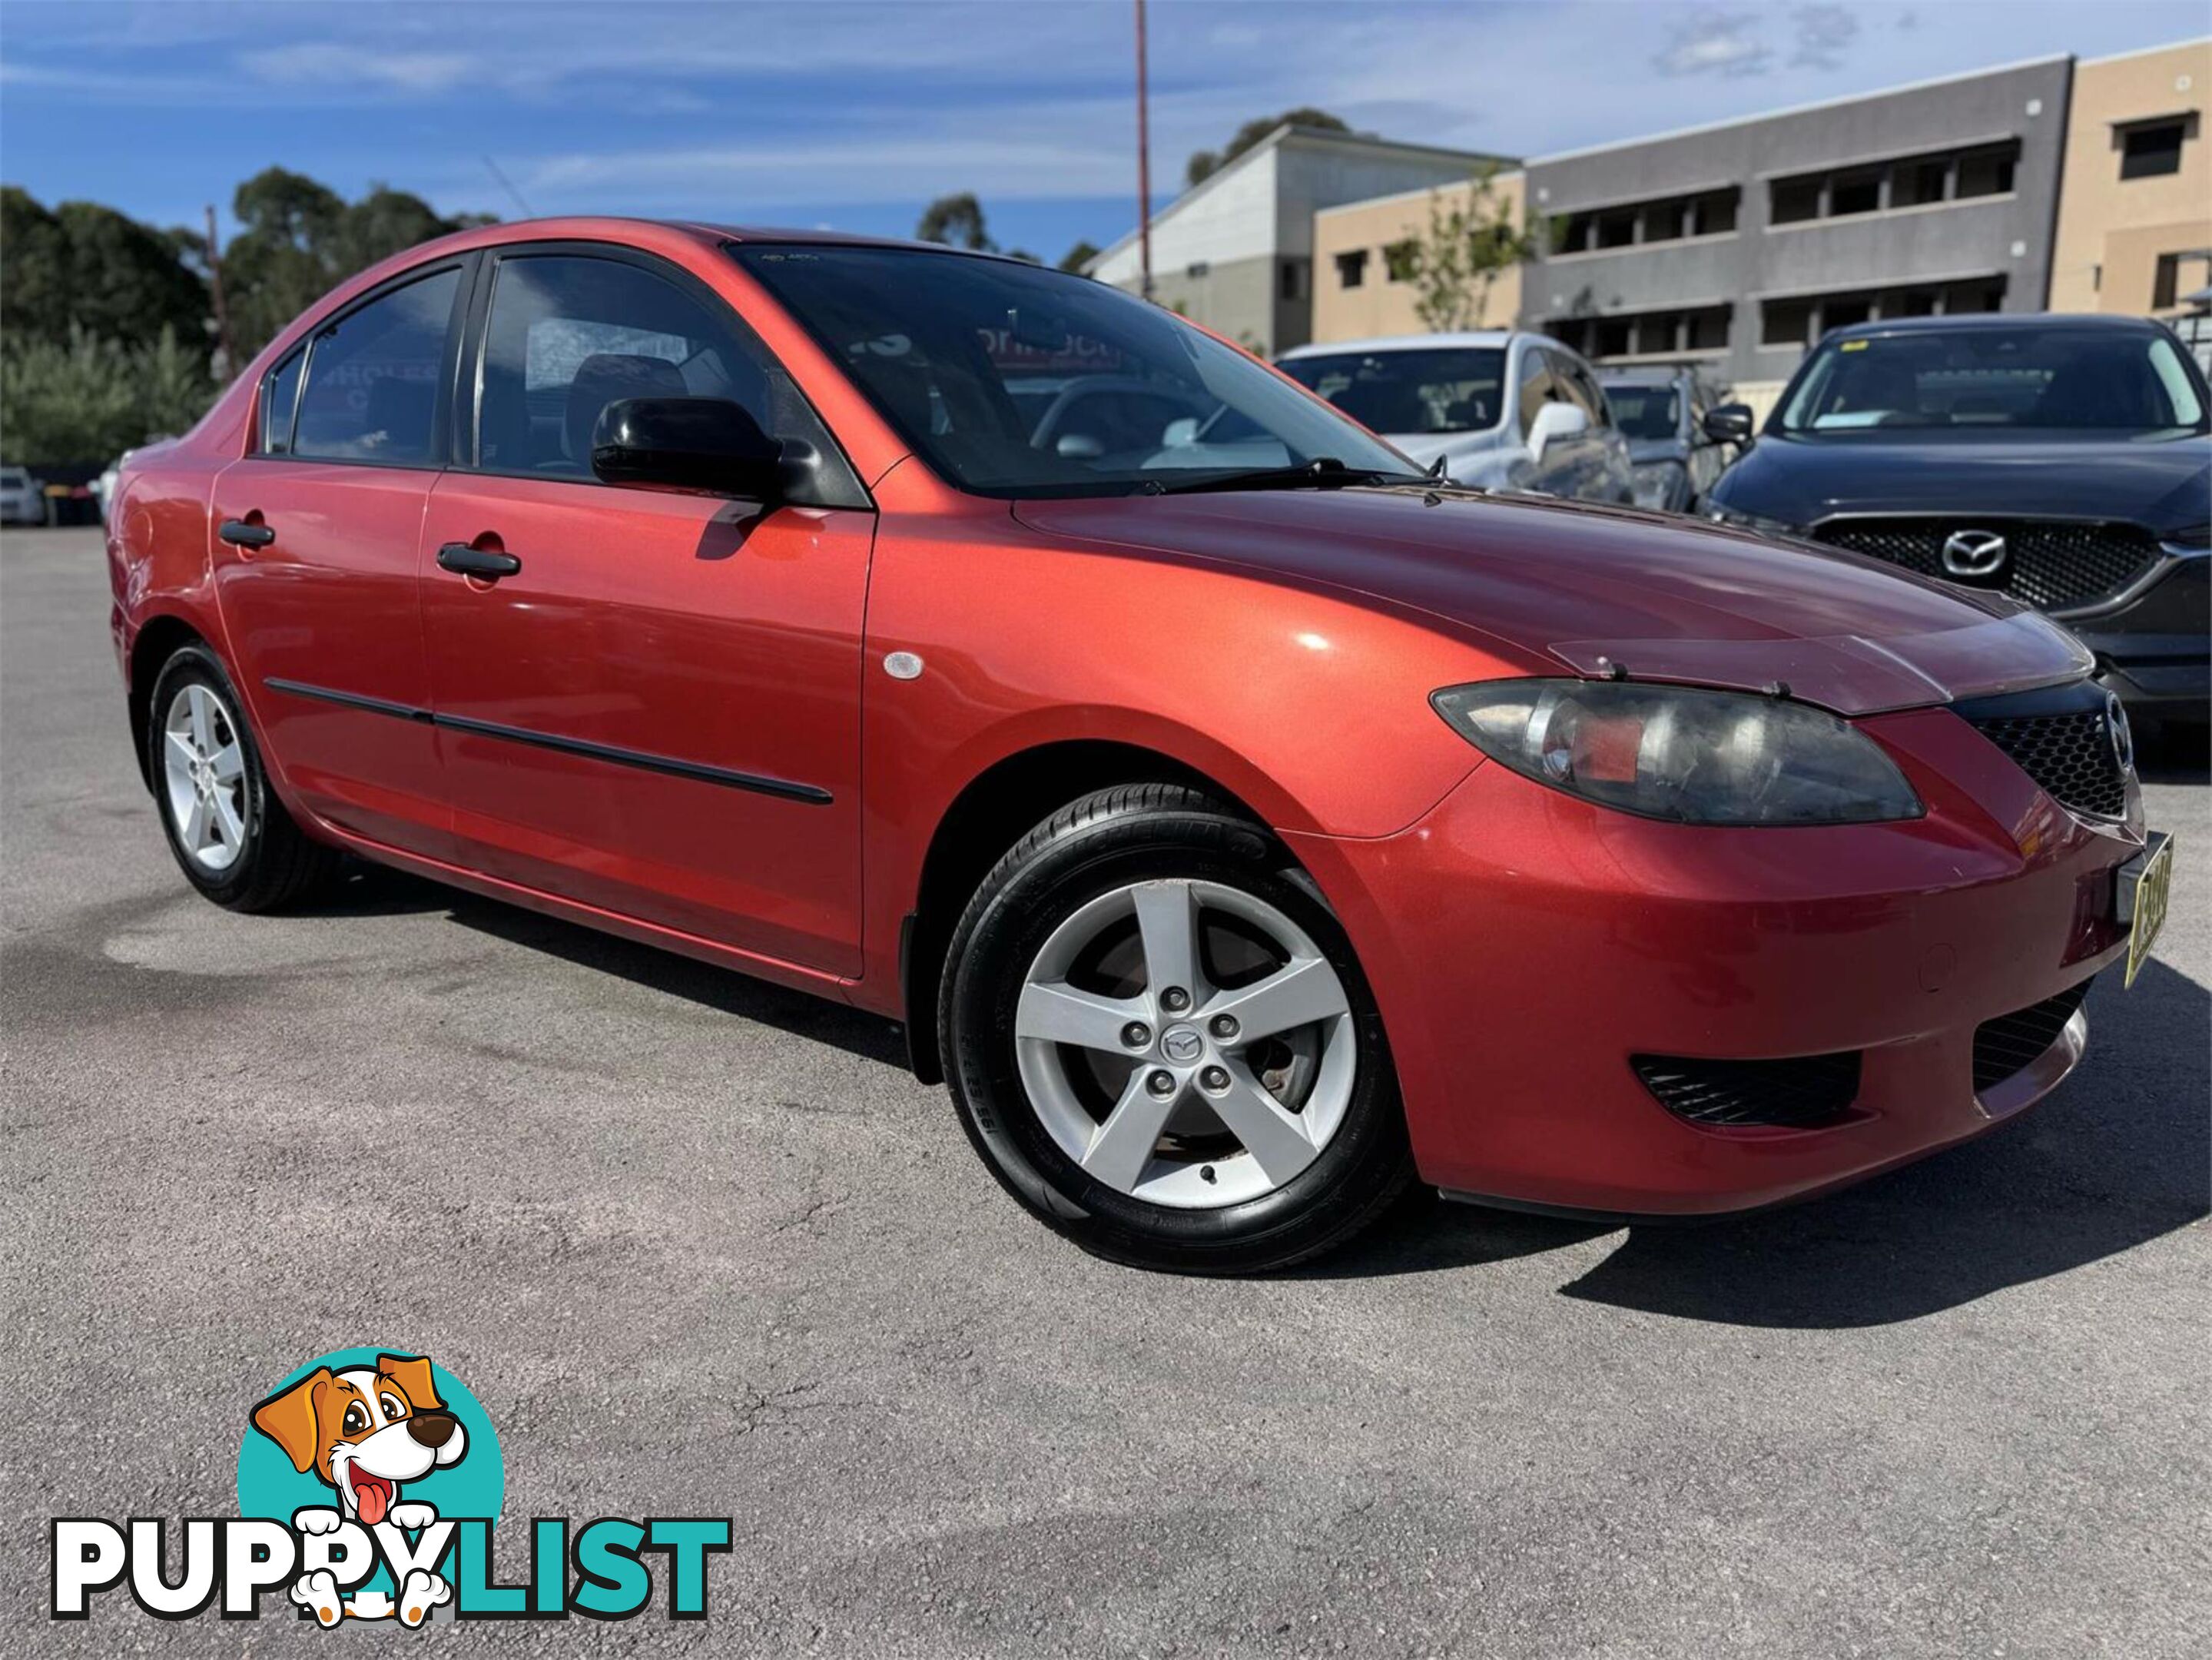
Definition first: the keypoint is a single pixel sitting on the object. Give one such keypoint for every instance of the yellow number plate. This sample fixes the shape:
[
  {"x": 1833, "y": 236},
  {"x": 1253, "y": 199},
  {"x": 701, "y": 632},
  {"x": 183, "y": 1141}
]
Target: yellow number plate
[{"x": 2144, "y": 884}]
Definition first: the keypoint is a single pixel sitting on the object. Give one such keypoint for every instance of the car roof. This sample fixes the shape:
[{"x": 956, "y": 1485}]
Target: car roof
[
  {"x": 1407, "y": 343},
  {"x": 1983, "y": 322}
]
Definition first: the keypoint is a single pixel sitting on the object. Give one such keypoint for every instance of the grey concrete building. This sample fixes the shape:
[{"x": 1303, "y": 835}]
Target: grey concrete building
[
  {"x": 1235, "y": 251},
  {"x": 1740, "y": 243}
]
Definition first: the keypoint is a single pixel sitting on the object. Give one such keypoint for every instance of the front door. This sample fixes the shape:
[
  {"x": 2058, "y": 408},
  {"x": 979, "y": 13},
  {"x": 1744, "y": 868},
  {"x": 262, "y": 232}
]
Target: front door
[
  {"x": 654, "y": 709},
  {"x": 318, "y": 536}
]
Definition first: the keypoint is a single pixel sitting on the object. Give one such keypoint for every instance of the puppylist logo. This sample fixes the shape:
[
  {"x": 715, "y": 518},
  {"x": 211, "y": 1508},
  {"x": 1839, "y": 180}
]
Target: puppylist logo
[{"x": 369, "y": 1484}]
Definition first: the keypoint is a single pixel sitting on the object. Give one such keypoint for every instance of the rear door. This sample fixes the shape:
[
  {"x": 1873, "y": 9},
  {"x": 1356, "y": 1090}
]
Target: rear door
[
  {"x": 657, "y": 712},
  {"x": 317, "y": 534}
]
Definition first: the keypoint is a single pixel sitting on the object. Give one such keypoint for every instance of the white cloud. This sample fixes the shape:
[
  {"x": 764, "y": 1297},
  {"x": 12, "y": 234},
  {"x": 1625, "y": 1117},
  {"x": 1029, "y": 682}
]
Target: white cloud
[
  {"x": 326, "y": 64},
  {"x": 1716, "y": 43},
  {"x": 1824, "y": 34}
]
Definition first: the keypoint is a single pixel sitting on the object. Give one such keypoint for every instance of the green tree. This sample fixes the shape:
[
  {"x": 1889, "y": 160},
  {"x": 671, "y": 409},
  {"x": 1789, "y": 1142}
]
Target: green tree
[
  {"x": 956, "y": 221},
  {"x": 86, "y": 266},
  {"x": 85, "y": 398},
  {"x": 1078, "y": 256},
  {"x": 1457, "y": 260},
  {"x": 1203, "y": 164}
]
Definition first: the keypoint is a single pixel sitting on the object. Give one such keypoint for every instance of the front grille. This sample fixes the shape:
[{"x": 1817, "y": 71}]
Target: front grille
[
  {"x": 2070, "y": 756},
  {"x": 2050, "y": 564},
  {"x": 2011, "y": 1042},
  {"x": 1798, "y": 1093}
]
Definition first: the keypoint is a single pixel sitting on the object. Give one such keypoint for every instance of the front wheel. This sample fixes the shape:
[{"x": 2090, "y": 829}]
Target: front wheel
[{"x": 1161, "y": 1041}]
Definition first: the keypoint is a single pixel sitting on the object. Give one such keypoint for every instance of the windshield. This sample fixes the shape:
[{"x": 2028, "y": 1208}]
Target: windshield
[
  {"x": 1432, "y": 390},
  {"x": 1641, "y": 410},
  {"x": 2006, "y": 379},
  {"x": 1013, "y": 380}
]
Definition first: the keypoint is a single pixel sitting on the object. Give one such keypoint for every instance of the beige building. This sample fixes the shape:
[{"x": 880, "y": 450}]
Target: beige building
[
  {"x": 1358, "y": 286},
  {"x": 2135, "y": 203}
]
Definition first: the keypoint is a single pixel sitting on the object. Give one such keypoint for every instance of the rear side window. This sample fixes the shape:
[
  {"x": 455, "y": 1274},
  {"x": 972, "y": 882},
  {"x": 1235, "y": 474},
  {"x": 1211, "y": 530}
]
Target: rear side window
[
  {"x": 280, "y": 395},
  {"x": 570, "y": 334},
  {"x": 371, "y": 391}
]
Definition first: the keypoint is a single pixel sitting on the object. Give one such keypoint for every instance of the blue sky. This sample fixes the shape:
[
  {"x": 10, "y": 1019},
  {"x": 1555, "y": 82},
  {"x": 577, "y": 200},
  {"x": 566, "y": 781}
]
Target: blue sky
[{"x": 853, "y": 115}]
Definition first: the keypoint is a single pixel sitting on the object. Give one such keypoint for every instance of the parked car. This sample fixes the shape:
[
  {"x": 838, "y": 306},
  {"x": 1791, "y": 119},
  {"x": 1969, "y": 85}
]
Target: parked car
[
  {"x": 1661, "y": 409},
  {"x": 23, "y": 497},
  {"x": 2064, "y": 461},
  {"x": 1242, "y": 842},
  {"x": 1502, "y": 409}
]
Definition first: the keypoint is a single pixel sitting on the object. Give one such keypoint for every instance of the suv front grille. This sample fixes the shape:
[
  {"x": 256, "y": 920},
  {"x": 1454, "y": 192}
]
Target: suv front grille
[
  {"x": 2050, "y": 564},
  {"x": 1797, "y": 1094},
  {"x": 2010, "y": 1043}
]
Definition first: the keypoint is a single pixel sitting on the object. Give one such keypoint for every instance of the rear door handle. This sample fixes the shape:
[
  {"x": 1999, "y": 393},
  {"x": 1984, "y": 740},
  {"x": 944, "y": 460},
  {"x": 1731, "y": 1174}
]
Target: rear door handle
[
  {"x": 241, "y": 534},
  {"x": 477, "y": 562}
]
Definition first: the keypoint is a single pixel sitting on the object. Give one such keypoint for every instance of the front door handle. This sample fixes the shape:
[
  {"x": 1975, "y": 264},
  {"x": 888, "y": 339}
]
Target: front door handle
[
  {"x": 239, "y": 534},
  {"x": 477, "y": 562}
]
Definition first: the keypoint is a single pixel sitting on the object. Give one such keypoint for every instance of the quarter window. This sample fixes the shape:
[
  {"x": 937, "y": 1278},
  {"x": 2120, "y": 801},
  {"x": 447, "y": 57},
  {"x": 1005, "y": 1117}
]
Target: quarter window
[
  {"x": 570, "y": 334},
  {"x": 280, "y": 393},
  {"x": 371, "y": 391}
]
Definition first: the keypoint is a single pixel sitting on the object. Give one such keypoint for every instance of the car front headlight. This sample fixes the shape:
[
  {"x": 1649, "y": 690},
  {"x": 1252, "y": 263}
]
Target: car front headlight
[
  {"x": 1751, "y": 521},
  {"x": 1655, "y": 482},
  {"x": 1682, "y": 753}
]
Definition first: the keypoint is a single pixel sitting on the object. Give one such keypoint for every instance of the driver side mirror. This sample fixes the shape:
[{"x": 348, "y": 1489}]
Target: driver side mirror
[
  {"x": 709, "y": 444},
  {"x": 1555, "y": 422},
  {"x": 1728, "y": 424}
]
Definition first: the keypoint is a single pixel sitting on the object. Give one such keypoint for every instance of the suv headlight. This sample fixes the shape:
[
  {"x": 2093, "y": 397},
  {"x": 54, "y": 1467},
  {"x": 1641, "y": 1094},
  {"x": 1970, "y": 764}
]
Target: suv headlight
[
  {"x": 1751, "y": 521},
  {"x": 1682, "y": 753},
  {"x": 1653, "y": 482}
]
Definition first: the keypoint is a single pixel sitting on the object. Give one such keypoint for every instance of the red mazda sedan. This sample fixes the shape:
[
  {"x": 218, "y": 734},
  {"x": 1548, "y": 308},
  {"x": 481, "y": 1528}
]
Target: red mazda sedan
[{"x": 1245, "y": 825}]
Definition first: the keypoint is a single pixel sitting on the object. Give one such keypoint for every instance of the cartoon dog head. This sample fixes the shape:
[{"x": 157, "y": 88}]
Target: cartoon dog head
[{"x": 364, "y": 1430}]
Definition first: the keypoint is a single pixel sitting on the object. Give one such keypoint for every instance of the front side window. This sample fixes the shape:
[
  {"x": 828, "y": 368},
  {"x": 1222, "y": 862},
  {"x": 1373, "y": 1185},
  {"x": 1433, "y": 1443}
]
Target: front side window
[
  {"x": 372, "y": 386},
  {"x": 1641, "y": 410},
  {"x": 2007, "y": 379},
  {"x": 1012, "y": 380},
  {"x": 570, "y": 334},
  {"x": 1427, "y": 390}
]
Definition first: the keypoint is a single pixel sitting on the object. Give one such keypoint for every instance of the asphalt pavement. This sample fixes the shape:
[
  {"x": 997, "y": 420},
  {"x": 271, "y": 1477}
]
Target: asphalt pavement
[{"x": 703, "y": 1247}]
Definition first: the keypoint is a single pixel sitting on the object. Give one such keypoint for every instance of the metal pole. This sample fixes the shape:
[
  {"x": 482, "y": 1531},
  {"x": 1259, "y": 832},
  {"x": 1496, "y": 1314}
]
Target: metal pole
[
  {"x": 229, "y": 365},
  {"x": 1144, "y": 167}
]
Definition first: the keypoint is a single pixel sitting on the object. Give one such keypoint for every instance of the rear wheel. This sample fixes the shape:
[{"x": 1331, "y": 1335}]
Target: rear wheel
[
  {"x": 230, "y": 836},
  {"x": 1161, "y": 1041}
]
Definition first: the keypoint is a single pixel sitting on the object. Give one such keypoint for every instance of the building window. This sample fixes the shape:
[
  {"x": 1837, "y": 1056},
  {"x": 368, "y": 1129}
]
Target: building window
[
  {"x": 1713, "y": 214},
  {"x": 1402, "y": 261},
  {"x": 1987, "y": 173},
  {"x": 1917, "y": 181},
  {"x": 1291, "y": 285},
  {"x": 1795, "y": 201},
  {"x": 2152, "y": 151},
  {"x": 1197, "y": 269},
  {"x": 1616, "y": 230},
  {"x": 1854, "y": 192},
  {"x": 1644, "y": 334},
  {"x": 1786, "y": 323},
  {"x": 1352, "y": 268},
  {"x": 1918, "y": 184},
  {"x": 1845, "y": 311}
]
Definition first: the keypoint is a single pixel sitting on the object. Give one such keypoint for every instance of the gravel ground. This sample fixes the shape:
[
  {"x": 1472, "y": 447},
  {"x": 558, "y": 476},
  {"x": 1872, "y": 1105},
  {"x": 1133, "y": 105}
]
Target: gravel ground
[{"x": 703, "y": 1247}]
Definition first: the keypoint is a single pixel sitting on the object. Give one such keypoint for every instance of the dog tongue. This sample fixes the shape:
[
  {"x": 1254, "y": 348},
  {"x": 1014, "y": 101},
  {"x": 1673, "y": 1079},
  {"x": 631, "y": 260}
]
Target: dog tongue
[{"x": 372, "y": 1493}]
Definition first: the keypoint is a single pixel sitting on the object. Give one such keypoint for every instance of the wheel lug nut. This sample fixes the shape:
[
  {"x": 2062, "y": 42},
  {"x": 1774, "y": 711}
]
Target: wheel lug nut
[
  {"x": 1174, "y": 999},
  {"x": 1161, "y": 1083},
  {"x": 1136, "y": 1034},
  {"x": 1214, "y": 1078},
  {"x": 1223, "y": 1026}
]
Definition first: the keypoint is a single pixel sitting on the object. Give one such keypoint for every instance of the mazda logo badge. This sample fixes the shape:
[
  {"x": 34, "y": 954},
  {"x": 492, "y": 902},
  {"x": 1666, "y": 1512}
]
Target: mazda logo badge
[
  {"x": 1973, "y": 552},
  {"x": 2116, "y": 729}
]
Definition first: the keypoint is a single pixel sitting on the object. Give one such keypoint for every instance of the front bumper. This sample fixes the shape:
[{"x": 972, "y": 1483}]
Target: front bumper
[
  {"x": 2154, "y": 644},
  {"x": 1523, "y": 945}
]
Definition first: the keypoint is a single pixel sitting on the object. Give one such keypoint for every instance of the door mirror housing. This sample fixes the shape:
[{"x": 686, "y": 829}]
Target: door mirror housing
[
  {"x": 1728, "y": 424},
  {"x": 708, "y": 444},
  {"x": 1555, "y": 422}
]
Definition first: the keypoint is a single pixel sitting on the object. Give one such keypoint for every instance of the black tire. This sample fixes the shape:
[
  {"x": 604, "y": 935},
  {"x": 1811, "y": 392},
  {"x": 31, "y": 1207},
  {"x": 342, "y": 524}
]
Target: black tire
[
  {"x": 1136, "y": 833},
  {"x": 278, "y": 865}
]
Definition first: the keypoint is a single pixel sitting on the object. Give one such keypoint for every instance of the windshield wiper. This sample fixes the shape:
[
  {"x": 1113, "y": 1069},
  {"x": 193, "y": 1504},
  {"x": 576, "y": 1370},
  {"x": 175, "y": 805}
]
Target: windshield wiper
[{"x": 1323, "y": 472}]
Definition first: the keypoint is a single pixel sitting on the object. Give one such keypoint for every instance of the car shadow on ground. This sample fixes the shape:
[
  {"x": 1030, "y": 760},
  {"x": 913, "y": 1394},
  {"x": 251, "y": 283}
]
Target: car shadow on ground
[
  {"x": 2117, "y": 1157},
  {"x": 372, "y": 890}
]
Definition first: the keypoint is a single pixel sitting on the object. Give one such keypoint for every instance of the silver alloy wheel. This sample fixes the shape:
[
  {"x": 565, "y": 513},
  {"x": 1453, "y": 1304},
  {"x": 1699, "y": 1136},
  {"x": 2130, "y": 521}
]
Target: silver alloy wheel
[
  {"x": 205, "y": 772},
  {"x": 1160, "y": 1083}
]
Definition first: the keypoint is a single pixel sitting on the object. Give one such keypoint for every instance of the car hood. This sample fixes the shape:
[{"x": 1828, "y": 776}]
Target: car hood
[
  {"x": 2161, "y": 484},
  {"x": 1601, "y": 590}
]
